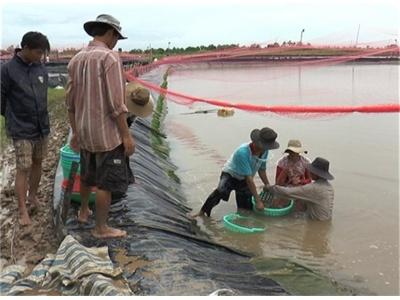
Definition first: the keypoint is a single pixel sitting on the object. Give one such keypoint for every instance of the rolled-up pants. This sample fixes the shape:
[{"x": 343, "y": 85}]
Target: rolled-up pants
[{"x": 226, "y": 184}]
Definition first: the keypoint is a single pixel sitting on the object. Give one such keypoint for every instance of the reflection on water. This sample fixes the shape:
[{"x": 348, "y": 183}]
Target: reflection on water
[{"x": 359, "y": 247}]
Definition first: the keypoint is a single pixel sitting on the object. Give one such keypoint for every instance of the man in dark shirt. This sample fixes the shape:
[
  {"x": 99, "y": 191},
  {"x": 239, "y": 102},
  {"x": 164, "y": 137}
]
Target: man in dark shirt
[{"x": 24, "y": 106}]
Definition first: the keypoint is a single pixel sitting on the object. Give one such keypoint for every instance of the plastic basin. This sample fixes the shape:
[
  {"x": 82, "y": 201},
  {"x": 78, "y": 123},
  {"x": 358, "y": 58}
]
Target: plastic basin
[{"x": 229, "y": 223}]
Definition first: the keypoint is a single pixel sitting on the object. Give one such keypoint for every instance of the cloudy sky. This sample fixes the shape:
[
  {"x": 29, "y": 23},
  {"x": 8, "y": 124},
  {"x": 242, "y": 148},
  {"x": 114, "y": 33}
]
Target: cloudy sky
[{"x": 204, "y": 22}]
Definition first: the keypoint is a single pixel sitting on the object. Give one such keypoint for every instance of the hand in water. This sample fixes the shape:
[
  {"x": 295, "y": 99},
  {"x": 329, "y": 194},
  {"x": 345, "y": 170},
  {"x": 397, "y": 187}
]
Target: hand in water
[
  {"x": 259, "y": 204},
  {"x": 266, "y": 188}
]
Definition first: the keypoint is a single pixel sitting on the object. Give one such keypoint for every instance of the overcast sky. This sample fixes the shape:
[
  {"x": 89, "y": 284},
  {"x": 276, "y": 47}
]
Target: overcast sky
[{"x": 195, "y": 23}]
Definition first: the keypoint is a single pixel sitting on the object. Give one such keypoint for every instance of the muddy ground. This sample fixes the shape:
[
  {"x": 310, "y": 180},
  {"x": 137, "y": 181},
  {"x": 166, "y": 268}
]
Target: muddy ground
[{"x": 28, "y": 245}]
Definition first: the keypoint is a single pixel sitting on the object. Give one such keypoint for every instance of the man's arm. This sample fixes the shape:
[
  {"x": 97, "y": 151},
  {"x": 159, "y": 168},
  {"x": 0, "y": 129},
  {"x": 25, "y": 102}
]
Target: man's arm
[
  {"x": 263, "y": 175},
  {"x": 74, "y": 142},
  {"x": 303, "y": 192},
  {"x": 127, "y": 140},
  {"x": 115, "y": 86},
  {"x": 69, "y": 103},
  {"x": 253, "y": 190}
]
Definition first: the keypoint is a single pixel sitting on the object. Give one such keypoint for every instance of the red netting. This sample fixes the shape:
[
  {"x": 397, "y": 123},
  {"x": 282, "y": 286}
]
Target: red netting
[{"x": 226, "y": 55}]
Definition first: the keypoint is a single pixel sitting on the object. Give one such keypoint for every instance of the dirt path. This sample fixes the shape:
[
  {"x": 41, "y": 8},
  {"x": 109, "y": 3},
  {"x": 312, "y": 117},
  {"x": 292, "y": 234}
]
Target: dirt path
[{"x": 29, "y": 244}]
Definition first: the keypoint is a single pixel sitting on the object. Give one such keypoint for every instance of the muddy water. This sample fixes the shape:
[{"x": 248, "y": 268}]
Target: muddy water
[{"x": 360, "y": 246}]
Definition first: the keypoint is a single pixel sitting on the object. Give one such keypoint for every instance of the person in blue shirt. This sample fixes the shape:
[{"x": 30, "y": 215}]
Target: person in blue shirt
[{"x": 239, "y": 171}]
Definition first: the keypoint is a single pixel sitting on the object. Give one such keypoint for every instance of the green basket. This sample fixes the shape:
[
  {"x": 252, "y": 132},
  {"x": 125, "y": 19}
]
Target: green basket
[
  {"x": 66, "y": 167},
  {"x": 273, "y": 212},
  {"x": 67, "y": 156},
  {"x": 76, "y": 197},
  {"x": 229, "y": 224},
  {"x": 66, "y": 151}
]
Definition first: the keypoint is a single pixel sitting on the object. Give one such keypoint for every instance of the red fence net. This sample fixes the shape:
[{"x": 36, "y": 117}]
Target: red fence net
[{"x": 226, "y": 55}]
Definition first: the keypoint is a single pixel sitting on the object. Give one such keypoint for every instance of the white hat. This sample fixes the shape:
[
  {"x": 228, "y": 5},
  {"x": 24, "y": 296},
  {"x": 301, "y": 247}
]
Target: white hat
[{"x": 295, "y": 146}]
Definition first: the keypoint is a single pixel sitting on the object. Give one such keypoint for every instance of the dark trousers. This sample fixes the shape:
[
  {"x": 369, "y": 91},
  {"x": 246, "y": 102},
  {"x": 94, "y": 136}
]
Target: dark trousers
[
  {"x": 109, "y": 171},
  {"x": 226, "y": 185}
]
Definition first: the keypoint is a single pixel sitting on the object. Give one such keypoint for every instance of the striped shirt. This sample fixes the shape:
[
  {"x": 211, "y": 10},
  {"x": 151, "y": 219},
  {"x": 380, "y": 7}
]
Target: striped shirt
[{"x": 95, "y": 93}]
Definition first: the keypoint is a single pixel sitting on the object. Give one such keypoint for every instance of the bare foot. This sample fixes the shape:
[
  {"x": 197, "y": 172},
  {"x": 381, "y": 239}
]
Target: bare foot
[
  {"x": 83, "y": 215},
  {"x": 108, "y": 233},
  {"x": 35, "y": 204},
  {"x": 24, "y": 219},
  {"x": 34, "y": 201}
]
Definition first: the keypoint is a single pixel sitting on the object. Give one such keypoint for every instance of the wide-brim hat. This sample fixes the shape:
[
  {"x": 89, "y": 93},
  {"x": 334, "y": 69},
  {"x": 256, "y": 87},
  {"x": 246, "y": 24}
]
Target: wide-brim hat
[
  {"x": 104, "y": 19},
  {"x": 320, "y": 167},
  {"x": 295, "y": 146},
  {"x": 265, "y": 137},
  {"x": 139, "y": 100}
]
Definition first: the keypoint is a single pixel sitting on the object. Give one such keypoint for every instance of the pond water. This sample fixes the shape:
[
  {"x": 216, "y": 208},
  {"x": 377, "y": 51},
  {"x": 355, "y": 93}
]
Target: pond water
[{"x": 360, "y": 246}]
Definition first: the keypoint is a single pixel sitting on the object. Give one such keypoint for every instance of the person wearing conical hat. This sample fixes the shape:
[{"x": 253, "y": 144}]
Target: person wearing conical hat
[
  {"x": 140, "y": 104},
  {"x": 138, "y": 100},
  {"x": 318, "y": 194}
]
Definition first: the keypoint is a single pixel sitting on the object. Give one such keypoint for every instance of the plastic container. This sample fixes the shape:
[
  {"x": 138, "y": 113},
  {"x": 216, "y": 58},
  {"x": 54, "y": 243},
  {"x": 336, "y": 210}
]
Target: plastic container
[
  {"x": 229, "y": 223},
  {"x": 67, "y": 157},
  {"x": 75, "y": 196},
  {"x": 273, "y": 212}
]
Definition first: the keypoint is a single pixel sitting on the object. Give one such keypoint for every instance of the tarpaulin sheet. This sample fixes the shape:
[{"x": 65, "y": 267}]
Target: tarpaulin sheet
[
  {"x": 179, "y": 259},
  {"x": 74, "y": 270}
]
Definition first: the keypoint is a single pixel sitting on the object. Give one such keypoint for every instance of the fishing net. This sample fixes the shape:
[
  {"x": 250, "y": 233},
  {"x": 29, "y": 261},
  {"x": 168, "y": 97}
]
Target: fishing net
[{"x": 289, "y": 58}]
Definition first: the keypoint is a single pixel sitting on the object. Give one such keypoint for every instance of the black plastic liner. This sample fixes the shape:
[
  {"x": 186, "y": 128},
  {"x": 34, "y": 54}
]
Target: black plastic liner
[{"x": 180, "y": 260}]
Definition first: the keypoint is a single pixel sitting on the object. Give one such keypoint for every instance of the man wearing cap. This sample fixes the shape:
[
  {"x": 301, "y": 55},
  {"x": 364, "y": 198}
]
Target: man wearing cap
[
  {"x": 292, "y": 170},
  {"x": 97, "y": 110},
  {"x": 239, "y": 171},
  {"x": 318, "y": 194}
]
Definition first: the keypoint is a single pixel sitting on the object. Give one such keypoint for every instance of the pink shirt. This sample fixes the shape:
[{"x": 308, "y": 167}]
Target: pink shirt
[
  {"x": 96, "y": 95},
  {"x": 293, "y": 169}
]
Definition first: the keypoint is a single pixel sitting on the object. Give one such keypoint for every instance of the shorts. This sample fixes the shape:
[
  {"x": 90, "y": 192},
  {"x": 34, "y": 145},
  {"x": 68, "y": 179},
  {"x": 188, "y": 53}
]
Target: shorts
[
  {"x": 29, "y": 151},
  {"x": 107, "y": 171}
]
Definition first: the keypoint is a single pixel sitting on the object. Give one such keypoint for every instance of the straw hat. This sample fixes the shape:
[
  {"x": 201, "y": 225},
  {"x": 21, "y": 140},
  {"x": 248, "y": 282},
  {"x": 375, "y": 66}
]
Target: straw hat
[
  {"x": 138, "y": 100},
  {"x": 104, "y": 19},
  {"x": 295, "y": 146}
]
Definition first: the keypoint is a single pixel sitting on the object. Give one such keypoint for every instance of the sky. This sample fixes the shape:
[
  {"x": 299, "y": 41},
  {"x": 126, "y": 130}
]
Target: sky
[{"x": 159, "y": 23}]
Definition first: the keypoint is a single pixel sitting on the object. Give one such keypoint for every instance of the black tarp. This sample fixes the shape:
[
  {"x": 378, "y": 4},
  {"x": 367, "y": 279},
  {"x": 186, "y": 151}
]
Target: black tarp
[{"x": 180, "y": 260}]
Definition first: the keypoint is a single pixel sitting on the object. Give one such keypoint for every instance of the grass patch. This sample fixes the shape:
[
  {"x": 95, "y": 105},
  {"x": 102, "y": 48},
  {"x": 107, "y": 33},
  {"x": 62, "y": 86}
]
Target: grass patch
[
  {"x": 56, "y": 104},
  {"x": 159, "y": 145}
]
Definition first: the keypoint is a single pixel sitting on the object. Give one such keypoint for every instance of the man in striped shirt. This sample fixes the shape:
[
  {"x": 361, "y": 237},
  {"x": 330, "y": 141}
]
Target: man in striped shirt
[{"x": 97, "y": 111}]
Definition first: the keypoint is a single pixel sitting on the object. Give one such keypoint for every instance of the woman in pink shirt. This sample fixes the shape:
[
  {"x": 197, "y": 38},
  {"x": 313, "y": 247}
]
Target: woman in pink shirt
[{"x": 291, "y": 171}]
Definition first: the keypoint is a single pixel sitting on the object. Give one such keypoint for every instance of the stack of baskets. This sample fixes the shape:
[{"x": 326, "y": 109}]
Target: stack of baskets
[{"x": 68, "y": 156}]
